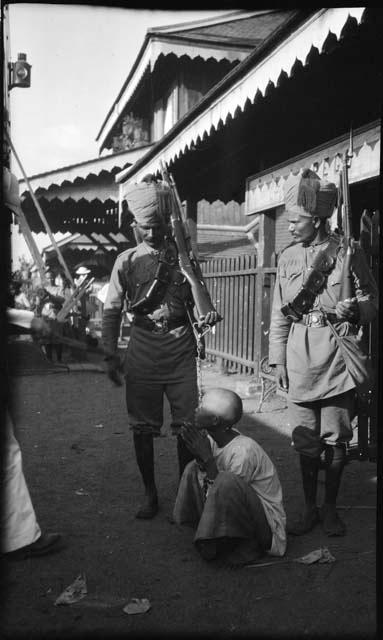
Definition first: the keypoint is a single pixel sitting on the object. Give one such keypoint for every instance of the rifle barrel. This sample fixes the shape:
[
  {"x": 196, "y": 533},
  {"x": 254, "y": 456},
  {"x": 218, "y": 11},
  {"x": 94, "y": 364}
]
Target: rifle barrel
[{"x": 346, "y": 290}]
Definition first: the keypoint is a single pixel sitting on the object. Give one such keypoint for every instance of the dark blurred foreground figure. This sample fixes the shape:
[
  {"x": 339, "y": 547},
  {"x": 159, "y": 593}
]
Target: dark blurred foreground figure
[
  {"x": 21, "y": 533},
  {"x": 21, "y": 536},
  {"x": 161, "y": 355},
  {"x": 307, "y": 359},
  {"x": 231, "y": 491}
]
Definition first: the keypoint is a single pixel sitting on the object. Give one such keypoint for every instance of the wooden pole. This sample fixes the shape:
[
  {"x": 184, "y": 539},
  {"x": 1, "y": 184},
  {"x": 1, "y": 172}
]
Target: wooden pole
[
  {"x": 266, "y": 246},
  {"x": 41, "y": 214},
  {"x": 32, "y": 246}
]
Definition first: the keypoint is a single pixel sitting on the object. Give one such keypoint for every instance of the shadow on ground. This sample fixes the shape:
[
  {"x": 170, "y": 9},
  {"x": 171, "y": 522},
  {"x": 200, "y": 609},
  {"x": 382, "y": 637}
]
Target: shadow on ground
[{"x": 80, "y": 466}]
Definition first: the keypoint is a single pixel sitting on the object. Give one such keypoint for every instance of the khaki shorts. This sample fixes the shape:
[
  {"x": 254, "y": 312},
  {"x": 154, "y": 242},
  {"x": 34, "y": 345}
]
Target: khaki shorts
[
  {"x": 145, "y": 404},
  {"x": 322, "y": 422}
]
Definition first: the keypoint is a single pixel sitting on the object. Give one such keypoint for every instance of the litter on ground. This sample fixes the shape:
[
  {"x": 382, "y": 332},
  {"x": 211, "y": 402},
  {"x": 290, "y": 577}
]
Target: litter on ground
[
  {"x": 321, "y": 555},
  {"x": 75, "y": 592},
  {"x": 137, "y": 605}
]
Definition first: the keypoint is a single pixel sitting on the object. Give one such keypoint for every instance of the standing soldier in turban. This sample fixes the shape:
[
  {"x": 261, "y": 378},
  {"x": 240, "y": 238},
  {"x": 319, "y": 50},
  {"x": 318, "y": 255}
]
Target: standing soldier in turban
[
  {"x": 303, "y": 350},
  {"x": 160, "y": 358}
]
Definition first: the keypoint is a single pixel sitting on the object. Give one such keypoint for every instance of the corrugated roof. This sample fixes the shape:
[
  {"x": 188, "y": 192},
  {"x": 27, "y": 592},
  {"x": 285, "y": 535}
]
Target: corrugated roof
[
  {"x": 223, "y": 248},
  {"x": 252, "y": 29},
  {"x": 79, "y": 240},
  {"x": 219, "y": 244}
]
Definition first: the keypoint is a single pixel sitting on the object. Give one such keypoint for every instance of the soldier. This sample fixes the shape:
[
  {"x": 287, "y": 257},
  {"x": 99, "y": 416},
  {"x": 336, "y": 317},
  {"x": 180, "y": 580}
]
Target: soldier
[
  {"x": 303, "y": 350},
  {"x": 160, "y": 358}
]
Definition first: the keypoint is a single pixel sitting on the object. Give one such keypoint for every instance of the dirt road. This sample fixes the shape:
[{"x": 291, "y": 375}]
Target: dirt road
[{"x": 79, "y": 462}]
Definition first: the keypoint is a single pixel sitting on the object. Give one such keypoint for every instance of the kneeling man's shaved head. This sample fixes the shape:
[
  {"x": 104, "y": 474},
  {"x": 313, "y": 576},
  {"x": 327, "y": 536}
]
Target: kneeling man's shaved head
[{"x": 220, "y": 407}]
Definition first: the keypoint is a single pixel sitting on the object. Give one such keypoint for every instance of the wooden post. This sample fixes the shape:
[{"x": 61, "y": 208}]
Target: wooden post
[
  {"x": 266, "y": 248},
  {"x": 32, "y": 246},
  {"x": 40, "y": 212}
]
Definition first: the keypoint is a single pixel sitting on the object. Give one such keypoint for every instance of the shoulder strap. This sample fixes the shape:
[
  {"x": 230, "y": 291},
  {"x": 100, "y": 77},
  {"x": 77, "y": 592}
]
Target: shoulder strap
[{"x": 322, "y": 265}]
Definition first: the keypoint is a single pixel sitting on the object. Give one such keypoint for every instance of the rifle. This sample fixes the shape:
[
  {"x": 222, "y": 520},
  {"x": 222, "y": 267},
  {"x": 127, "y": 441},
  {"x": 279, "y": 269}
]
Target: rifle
[
  {"x": 186, "y": 259},
  {"x": 346, "y": 290},
  {"x": 75, "y": 297},
  {"x": 88, "y": 347},
  {"x": 364, "y": 399}
]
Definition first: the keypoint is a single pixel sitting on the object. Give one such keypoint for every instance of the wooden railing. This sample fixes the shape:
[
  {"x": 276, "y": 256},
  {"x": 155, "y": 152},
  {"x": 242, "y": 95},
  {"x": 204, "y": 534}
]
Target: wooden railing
[{"x": 242, "y": 294}]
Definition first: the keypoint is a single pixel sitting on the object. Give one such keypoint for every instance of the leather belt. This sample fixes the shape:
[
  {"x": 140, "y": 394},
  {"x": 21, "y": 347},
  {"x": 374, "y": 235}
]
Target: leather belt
[
  {"x": 161, "y": 326},
  {"x": 317, "y": 319}
]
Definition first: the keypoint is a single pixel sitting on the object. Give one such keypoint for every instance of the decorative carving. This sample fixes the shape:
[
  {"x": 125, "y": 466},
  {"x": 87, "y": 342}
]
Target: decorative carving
[
  {"x": 267, "y": 192},
  {"x": 134, "y": 133}
]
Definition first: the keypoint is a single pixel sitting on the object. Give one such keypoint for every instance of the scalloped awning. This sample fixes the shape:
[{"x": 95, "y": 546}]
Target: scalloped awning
[
  {"x": 244, "y": 87},
  {"x": 161, "y": 46},
  {"x": 111, "y": 164}
]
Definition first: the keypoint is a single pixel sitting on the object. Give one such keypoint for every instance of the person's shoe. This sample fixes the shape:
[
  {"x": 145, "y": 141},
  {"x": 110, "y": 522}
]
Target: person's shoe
[
  {"x": 149, "y": 510},
  {"x": 307, "y": 522},
  {"x": 207, "y": 549},
  {"x": 331, "y": 522},
  {"x": 45, "y": 544}
]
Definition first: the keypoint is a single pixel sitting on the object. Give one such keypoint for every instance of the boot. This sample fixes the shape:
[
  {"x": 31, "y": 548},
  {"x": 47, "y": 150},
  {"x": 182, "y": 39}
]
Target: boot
[
  {"x": 184, "y": 455},
  {"x": 335, "y": 457},
  {"x": 143, "y": 444},
  {"x": 310, "y": 517}
]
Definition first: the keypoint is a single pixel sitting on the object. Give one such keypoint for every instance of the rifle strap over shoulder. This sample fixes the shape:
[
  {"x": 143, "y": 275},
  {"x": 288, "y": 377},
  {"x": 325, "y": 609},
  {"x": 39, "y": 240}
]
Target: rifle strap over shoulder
[
  {"x": 316, "y": 277},
  {"x": 157, "y": 290}
]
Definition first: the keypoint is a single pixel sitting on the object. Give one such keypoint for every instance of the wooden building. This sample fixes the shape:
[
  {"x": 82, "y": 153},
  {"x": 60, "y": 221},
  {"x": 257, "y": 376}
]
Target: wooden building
[
  {"x": 233, "y": 105},
  {"x": 288, "y": 104}
]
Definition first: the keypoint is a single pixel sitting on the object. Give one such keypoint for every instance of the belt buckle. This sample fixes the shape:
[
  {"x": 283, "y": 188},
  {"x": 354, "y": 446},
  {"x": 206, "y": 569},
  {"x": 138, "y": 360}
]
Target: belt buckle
[
  {"x": 315, "y": 319},
  {"x": 160, "y": 326}
]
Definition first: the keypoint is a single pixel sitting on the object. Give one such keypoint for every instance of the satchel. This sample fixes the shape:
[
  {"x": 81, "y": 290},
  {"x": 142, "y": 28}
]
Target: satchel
[{"x": 357, "y": 361}]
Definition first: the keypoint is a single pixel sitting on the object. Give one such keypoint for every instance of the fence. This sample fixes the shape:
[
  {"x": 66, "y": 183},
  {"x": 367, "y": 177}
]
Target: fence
[{"x": 242, "y": 294}]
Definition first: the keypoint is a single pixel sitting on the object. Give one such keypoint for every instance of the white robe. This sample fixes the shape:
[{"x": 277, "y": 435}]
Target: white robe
[
  {"x": 19, "y": 526},
  {"x": 18, "y": 519}
]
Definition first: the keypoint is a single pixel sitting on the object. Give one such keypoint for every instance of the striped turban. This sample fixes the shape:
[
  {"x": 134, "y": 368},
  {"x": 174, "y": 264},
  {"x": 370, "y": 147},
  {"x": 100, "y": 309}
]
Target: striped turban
[
  {"x": 149, "y": 202},
  {"x": 307, "y": 195}
]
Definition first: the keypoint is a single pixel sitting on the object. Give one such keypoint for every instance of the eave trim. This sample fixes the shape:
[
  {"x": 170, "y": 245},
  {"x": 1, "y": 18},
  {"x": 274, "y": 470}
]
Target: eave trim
[{"x": 228, "y": 98}]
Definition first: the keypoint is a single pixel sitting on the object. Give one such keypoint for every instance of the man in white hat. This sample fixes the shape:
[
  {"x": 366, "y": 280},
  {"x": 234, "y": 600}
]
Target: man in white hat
[
  {"x": 308, "y": 363},
  {"x": 81, "y": 274}
]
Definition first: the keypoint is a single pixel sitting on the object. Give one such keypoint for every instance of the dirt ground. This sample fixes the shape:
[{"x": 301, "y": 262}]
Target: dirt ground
[{"x": 82, "y": 475}]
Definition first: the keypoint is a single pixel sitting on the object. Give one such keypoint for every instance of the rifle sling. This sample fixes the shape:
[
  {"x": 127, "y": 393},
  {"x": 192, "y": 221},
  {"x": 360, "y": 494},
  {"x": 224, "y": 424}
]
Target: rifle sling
[
  {"x": 158, "y": 288},
  {"x": 321, "y": 267}
]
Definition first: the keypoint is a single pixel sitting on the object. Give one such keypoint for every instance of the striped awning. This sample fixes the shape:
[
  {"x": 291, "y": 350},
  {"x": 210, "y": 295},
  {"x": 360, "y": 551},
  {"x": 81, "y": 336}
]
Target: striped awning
[
  {"x": 89, "y": 242},
  {"x": 221, "y": 105}
]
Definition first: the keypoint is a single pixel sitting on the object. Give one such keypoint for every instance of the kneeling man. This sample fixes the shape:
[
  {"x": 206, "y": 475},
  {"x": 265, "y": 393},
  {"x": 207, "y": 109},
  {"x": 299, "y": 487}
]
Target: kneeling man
[{"x": 231, "y": 491}]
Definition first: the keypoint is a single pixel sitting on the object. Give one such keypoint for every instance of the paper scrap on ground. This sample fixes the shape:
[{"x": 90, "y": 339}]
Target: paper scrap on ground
[
  {"x": 81, "y": 492},
  {"x": 137, "y": 605},
  {"x": 75, "y": 592},
  {"x": 321, "y": 555}
]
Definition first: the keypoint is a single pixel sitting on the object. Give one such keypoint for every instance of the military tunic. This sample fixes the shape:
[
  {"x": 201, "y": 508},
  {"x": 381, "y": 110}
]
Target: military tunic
[
  {"x": 315, "y": 367},
  {"x": 151, "y": 357},
  {"x": 155, "y": 363}
]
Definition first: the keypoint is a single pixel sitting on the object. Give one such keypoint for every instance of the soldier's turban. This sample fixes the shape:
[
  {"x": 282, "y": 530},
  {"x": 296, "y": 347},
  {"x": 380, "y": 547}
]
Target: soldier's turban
[
  {"x": 307, "y": 195},
  {"x": 149, "y": 202}
]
